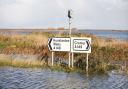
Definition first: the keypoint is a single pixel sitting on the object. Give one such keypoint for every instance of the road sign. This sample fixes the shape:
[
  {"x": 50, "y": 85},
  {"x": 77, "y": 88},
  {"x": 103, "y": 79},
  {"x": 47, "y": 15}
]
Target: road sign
[
  {"x": 59, "y": 44},
  {"x": 80, "y": 45},
  {"x": 75, "y": 44}
]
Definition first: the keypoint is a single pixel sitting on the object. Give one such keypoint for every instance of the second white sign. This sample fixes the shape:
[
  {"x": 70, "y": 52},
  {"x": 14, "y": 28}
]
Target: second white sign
[{"x": 80, "y": 45}]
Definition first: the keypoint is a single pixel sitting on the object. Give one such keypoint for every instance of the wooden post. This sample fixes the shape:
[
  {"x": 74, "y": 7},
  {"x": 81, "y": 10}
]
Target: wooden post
[
  {"x": 69, "y": 60},
  {"x": 72, "y": 59},
  {"x": 52, "y": 58},
  {"x": 87, "y": 63}
]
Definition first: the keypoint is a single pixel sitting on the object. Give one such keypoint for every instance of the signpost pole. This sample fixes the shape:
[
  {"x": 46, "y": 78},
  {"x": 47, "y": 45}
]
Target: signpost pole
[
  {"x": 70, "y": 36},
  {"x": 69, "y": 27},
  {"x": 87, "y": 63},
  {"x": 69, "y": 15},
  {"x": 52, "y": 58},
  {"x": 70, "y": 33},
  {"x": 72, "y": 59},
  {"x": 69, "y": 60}
]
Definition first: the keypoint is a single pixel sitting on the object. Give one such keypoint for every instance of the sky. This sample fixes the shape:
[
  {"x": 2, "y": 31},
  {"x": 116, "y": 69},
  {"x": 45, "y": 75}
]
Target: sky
[{"x": 87, "y": 14}]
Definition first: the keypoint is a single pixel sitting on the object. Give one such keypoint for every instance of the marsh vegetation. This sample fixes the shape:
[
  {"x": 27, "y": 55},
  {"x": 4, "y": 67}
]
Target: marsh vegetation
[{"x": 106, "y": 52}]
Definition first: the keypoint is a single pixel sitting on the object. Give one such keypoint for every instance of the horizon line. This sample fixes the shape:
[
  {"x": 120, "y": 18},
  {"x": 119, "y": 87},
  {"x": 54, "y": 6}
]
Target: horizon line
[{"x": 54, "y": 28}]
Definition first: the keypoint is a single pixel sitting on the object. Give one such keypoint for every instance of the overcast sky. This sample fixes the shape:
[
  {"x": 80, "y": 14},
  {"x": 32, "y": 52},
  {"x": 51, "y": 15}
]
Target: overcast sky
[{"x": 87, "y": 14}]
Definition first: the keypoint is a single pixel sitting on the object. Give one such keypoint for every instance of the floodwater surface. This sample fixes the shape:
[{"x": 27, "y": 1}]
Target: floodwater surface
[
  {"x": 117, "y": 34},
  {"x": 20, "y": 78}
]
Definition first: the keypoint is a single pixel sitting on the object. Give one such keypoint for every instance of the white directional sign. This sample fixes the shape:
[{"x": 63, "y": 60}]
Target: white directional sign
[
  {"x": 59, "y": 44},
  {"x": 73, "y": 44},
  {"x": 81, "y": 45}
]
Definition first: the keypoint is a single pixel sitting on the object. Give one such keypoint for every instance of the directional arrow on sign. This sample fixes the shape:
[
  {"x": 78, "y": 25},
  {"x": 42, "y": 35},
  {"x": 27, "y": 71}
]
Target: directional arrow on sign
[
  {"x": 88, "y": 44},
  {"x": 49, "y": 43}
]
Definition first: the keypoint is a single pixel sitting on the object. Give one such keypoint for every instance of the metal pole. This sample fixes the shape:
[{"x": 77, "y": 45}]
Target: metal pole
[
  {"x": 69, "y": 27},
  {"x": 69, "y": 36},
  {"x": 52, "y": 58},
  {"x": 87, "y": 63}
]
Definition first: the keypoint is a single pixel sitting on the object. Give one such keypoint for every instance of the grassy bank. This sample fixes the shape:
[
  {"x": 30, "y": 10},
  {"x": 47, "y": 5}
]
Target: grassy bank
[
  {"x": 104, "y": 51},
  {"x": 5, "y": 61}
]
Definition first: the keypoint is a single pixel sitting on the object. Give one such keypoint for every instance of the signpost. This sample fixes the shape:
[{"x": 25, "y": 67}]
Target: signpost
[
  {"x": 70, "y": 44},
  {"x": 59, "y": 44},
  {"x": 73, "y": 44},
  {"x": 52, "y": 58},
  {"x": 70, "y": 33},
  {"x": 80, "y": 45}
]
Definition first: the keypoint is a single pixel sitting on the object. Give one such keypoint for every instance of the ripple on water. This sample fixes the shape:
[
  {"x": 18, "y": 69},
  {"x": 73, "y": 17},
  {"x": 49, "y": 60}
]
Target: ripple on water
[
  {"x": 110, "y": 81},
  {"x": 20, "y": 78},
  {"x": 37, "y": 79}
]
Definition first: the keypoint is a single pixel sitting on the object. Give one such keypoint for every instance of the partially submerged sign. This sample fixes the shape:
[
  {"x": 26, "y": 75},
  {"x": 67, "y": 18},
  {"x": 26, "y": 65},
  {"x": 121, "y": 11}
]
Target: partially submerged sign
[
  {"x": 59, "y": 44},
  {"x": 80, "y": 45}
]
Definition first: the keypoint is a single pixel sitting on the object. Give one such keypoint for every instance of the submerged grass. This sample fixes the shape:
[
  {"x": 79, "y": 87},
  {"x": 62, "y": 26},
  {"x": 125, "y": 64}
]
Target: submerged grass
[{"x": 34, "y": 64}]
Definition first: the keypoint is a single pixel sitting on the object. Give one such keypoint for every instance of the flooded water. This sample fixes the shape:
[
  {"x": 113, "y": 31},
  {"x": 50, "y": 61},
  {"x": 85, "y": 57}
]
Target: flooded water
[
  {"x": 109, "y": 81},
  {"x": 20, "y": 78},
  {"x": 118, "y": 34}
]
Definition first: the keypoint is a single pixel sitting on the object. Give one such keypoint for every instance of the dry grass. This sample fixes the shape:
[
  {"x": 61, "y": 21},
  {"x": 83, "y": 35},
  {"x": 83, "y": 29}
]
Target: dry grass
[
  {"x": 7, "y": 61},
  {"x": 36, "y": 40},
  {"x": 102, "y": 42},
  {"x": 23, "y": 44}
]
